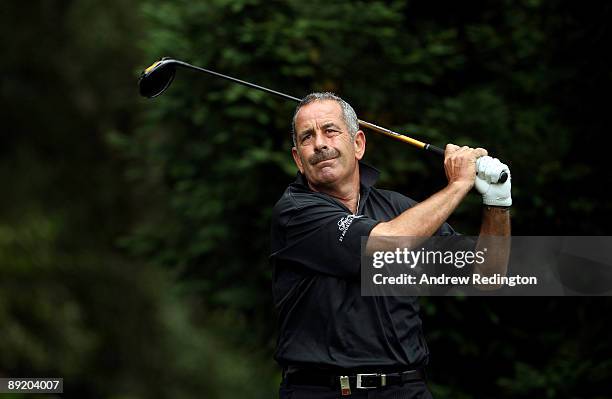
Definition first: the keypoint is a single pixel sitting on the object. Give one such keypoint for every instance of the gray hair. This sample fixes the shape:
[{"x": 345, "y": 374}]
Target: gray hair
[{"x": 348, "y": 113}]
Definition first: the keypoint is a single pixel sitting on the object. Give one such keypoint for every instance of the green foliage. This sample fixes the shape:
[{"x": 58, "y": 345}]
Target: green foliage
[
  {"x": 110, "y": 329},
  {"x": 71, "y": 305}
]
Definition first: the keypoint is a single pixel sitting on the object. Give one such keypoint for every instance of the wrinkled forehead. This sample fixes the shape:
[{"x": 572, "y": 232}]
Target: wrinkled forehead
[{"x": 317, "y": 113}]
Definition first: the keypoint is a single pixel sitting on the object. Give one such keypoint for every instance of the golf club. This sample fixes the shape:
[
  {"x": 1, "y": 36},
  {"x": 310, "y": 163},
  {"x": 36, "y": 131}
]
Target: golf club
[{"x": 157, "y": 78}]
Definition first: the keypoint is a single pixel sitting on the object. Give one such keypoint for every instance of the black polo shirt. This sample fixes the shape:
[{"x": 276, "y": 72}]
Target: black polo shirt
[{"x": 324, "y": 322}]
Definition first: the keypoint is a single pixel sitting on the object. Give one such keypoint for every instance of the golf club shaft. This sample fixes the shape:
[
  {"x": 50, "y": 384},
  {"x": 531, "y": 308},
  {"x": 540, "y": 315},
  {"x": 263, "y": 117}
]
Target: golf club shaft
[
  {"x": 402, "y": 137},
  {"x": 371, "y": 126},
  {"x": 242, "y": 82}
]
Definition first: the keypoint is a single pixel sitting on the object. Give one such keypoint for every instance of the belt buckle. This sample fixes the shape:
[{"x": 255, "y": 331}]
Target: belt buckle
[
  {"x": 345, "y": 386},
  {"x": 359, "y": 376}
]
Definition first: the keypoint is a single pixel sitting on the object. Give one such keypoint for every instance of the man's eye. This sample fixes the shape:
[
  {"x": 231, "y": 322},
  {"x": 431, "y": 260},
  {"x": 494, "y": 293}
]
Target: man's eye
[{"x": 306, "y": 136}]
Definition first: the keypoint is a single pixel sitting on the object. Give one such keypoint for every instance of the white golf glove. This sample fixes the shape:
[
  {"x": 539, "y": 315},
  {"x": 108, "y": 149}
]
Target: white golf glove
[{"x": 488, "y": 172}]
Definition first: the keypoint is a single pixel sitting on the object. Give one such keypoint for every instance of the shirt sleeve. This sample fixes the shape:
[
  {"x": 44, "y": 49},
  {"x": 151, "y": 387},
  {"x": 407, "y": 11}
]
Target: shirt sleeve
[{"x": 323, "y": 238}]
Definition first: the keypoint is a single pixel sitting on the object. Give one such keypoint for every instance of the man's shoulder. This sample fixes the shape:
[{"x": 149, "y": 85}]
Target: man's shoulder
[{"x": 295, "y": 199}]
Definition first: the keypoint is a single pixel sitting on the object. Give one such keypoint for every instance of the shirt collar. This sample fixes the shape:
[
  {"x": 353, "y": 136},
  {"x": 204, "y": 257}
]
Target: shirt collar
[{"x": 368, "y": 175}]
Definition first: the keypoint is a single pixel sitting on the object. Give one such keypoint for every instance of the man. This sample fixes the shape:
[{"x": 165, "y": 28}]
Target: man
[{"x": 333, "y": 342}]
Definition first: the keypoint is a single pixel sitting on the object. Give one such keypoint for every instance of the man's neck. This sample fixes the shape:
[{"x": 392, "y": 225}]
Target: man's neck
[{"x": 346, "y": 192}]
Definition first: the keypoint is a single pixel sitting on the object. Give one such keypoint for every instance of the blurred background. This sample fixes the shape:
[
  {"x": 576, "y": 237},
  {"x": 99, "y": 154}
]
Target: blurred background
[{"x": 134, "y": 232}]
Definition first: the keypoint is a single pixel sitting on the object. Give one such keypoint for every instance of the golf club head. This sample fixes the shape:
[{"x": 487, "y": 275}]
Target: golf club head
[{"x": 156, "y": 79}]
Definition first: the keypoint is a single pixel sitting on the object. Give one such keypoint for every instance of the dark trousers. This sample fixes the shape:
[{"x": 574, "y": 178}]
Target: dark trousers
[{"x": 409, "y": 390}]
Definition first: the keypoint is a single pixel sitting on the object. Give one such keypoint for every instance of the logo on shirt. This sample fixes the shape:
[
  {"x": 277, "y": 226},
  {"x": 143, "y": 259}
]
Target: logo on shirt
[{"x": 344, "y": 224}]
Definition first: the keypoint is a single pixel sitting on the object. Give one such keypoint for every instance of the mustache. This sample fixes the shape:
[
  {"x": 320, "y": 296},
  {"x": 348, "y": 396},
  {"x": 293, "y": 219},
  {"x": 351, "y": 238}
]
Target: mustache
[{"x": 324, "y": 155}]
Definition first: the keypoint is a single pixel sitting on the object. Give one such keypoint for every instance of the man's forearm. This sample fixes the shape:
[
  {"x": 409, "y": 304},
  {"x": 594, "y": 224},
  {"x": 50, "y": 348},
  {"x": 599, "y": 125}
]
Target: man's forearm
[
  {"x": 495, "y": 221},
  {"x": 425, "y": 218},
  {"x": 495, "y": 237}
]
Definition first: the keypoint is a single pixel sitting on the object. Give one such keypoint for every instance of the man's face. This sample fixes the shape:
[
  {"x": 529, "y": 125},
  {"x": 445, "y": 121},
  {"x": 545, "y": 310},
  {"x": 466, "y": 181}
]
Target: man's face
[{"x": 325, "y": 152}]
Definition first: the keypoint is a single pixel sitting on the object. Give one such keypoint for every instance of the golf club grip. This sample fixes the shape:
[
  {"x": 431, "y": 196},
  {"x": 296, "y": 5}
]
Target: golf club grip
[{"x": 434, "y": 149}]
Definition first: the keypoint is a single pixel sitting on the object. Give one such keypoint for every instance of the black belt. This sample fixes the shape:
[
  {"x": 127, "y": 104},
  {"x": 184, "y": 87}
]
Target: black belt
[{"x": 356, "y": 381}]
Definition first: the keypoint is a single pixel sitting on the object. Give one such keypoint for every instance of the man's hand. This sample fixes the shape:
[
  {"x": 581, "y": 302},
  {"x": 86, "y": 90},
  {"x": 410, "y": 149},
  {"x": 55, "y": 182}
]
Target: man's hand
[
  {"x": 460, "y": 164},
  {"x": 488, "y": 172}
]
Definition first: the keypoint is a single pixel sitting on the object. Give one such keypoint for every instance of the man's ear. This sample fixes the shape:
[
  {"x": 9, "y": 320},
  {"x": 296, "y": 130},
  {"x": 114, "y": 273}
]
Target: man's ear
[
  {"x": 360, "y": 144},
  {"x": 297, "y": 159}
]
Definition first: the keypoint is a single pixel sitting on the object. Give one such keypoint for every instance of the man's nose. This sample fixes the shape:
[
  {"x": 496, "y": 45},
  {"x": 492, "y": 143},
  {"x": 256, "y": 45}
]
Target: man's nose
[{"x": 320, "y": 142}]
